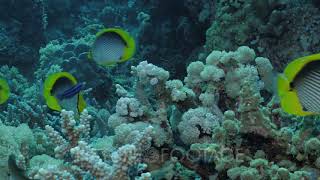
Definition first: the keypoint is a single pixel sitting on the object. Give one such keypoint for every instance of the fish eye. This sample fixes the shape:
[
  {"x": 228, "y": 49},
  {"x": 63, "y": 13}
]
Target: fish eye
[
  {"x": 304, "y": 108},
  {"x": 291, "y": 86}
]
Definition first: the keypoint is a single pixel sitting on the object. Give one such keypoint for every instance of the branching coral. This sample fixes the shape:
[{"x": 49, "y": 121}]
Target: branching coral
[
  {"x": 23, "y": 105},
  {"x": 84, "y": 159}
]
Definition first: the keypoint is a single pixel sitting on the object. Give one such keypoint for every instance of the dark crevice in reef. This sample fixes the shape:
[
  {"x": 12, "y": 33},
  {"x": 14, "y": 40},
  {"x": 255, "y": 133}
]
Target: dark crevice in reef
[
  {"x": 255, "y": 142},
  {"x": 274, "y": 150},
  {"x": 201, "y": 135},
  {"x": 21, "y": 33},
  {"x": 203, "y": 170}
]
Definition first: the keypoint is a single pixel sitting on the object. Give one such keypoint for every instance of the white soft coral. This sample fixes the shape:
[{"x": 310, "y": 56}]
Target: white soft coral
[
  {"x": 197, "y": 125},
  {"x": 129, "y": 107},
  {"x": 178, "y": 91},
  {"x": 149, "y": 73}
]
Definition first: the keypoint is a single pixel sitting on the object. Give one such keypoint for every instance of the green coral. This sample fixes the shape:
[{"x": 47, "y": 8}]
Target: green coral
[
  {"x": 262, "y": 169},
  {"x": 17, "y": 82},
  {"x": 14, "y": 140},
  {"x": 312, "y": 147},
  {"x": 243, "y": 173}
]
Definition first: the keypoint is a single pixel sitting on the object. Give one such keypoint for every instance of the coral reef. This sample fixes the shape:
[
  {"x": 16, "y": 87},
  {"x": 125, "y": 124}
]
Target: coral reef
[
  {"x": 245, "y": 134},
  {"x": 72, "y": 57},
  {"x": 215, "y": 124},
  {"x": 145, "y": 19},
  {"x": 267, "y": 26},
  {"x": 85, "y": 161},
  {"x": 196, "y": 101},
  {"x": 24, "y": 104}
]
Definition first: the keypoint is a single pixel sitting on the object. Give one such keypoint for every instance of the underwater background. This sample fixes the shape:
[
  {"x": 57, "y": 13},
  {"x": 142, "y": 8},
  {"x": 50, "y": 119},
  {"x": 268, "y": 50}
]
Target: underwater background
[{"x": 193, "y": 96}]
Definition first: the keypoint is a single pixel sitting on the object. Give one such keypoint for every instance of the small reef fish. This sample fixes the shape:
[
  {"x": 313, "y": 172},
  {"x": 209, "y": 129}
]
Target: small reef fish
[
  {"x": 111, "y": 46},
  {"x": 4, "y": 91},
  {"x": 62, "y": 91},
  {"x": 69, "y": 93},
  {"x": 15, "y": 173},
  {"x": 299, "y": 86}
]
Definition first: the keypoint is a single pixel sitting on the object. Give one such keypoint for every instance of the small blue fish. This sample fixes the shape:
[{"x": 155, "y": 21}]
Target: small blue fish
[{"x": 69, "y": 93}]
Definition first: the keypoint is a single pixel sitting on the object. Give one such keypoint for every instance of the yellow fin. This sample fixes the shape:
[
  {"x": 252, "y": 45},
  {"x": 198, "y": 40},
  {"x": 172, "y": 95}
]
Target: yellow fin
[
  {"x": 131, "y": 45},
  {"x": 289, "y": 100},
  {"x": 81, "y": 103},
  {"x": 294, "y": 67},
  {"x": 4, "y": 91}
]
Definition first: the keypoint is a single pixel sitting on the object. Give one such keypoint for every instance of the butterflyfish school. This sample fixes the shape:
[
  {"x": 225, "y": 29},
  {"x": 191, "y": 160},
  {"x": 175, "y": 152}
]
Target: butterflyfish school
[
  {"x": 299, "y": 86},
  {"x": 4, "y": 91},
  {"x": 111, "y": 46},
  {"x": 62, "y": 91}
]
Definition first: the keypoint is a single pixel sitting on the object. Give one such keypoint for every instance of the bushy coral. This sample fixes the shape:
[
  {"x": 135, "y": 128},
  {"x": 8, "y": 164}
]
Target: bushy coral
[
  {"x": 84, "y": 158},
  {"x": 129, "y": 107},
  {"x": 178, "y": 91},
  {"x": 24, "y": 105},
  {"x": 17, "y": 141},
  {"x": 197, "y": 125}
]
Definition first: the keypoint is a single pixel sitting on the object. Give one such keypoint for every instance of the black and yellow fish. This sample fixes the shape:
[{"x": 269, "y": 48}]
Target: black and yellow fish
[
  {"x": 62, "y": 91},
  {"x": 299, "y": 86},
  {"x": 111, "y": 46}
]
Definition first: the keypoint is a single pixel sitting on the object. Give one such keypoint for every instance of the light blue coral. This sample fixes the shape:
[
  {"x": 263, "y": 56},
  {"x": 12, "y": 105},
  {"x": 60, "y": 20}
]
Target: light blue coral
[
  {"x": 186, "y": 113},
  {"x": 84, "y": 158}
]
